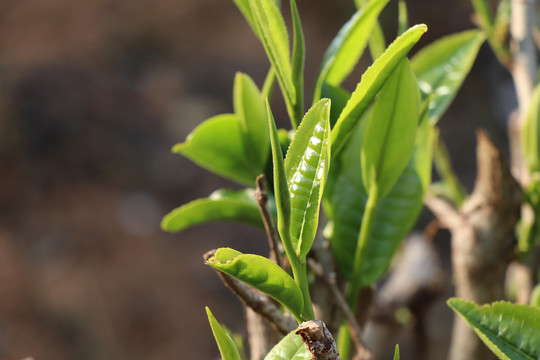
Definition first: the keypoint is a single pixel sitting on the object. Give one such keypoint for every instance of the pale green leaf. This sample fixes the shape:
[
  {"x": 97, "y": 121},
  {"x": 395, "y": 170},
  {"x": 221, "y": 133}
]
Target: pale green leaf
[
  {"x": 275, "y": 40},
  {"x": 349, "y": 44},
  {"x": 442, "y": 66},
  {"x": 306, "y": 168},
  {"x": 226, "y": 346},
  {"x": 390, "y": 132},
  {"x": 290, "y": 347},
  {"x": 207, "y": 146},
  {"x": 251, "y": 112},
  {"x": 370, "y": 84},
  {"x": 396, "y": 353},
  {"x": 221, "y": 205},
  {"x": 511, "y": 331},
  {"x": 298, "y": 59},
  {"x": 262, "y": 274},
  {"x": 530, "y": 134},
  {"x": 403, "y": 17}
]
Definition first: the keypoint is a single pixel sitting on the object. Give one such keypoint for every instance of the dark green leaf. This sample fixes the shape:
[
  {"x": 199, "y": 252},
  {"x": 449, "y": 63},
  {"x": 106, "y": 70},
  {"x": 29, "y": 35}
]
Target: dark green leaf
[
  {"x": 338, "y": 97},
  {"x": 306, "y": 168},
  {"x": 224, "y": 155},
  {"x": 349, "y": 44},
  {"x": 396, "y": 212},
  {"x": 226, "y": 346},
  {"x": 390, "y": 133},
  {"x": 442, "y": 66},
  {"x": 262, "y": 274},
  {"x": 275, "y": 40},
  {"x": 250, "y": 110},
  {"x": 290, "y": 347},
  {"x": 371, "y": 82},
  {"x": 222, "y": 205},
  {"x": 511, "y": 331},
  {"x": 281, "y": 188}
]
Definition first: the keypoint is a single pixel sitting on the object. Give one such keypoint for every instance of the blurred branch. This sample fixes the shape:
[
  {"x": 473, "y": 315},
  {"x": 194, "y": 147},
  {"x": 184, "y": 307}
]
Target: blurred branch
[{"x": 262, "y": 199}]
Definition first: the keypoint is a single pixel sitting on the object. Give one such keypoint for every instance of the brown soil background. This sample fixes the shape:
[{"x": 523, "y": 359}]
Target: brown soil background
[{"x": 92, "y": 96}]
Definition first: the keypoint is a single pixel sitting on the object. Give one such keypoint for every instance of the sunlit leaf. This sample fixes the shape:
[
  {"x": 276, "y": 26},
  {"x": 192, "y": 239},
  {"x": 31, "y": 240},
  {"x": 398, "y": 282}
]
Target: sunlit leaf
[
  {"x": 290, "y": 347},
  {"x": 511, "y": 331},
  {"x": 224, "y": 155},
  {"x": 390, "y": 132},
  {"x": 222, "y": 205},
  {"x": 262, "y": 274},
  {"x": 349, "y": 44},
  {"x": 306, "y": 168},
  {"x": 442, "y": 66},
  {"x": 250, "y": 109},
  {"x": 370, "y": 84},
  {"x": 226, "y": 346}
]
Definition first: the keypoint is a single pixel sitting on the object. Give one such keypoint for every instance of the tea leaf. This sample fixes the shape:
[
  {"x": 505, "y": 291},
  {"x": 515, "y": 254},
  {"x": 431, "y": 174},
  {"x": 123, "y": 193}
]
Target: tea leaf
[
  {"x": 224, "y": 155},
  {"x": 298, "y": 58},
  {"x": 262, "y": 274},
  {"x": 509, "y": 330},
  {"x": 306, "y": 168},
  {"x": 290, "y": 347},
  {"x": 370, "y": 84},
  {"x": 442, "y": 66},
  {"x": 390, "y": 133},
  {"x": 349, "y": 44},
  {"x": 226, "y": 346},
  {"x": 250, "y": 110},
  {"x": 221, "y": 205},
  {"x": 275, "y": 40},
  {"x": 530, "y": 134},
  {"x": 396, "y": 353}
]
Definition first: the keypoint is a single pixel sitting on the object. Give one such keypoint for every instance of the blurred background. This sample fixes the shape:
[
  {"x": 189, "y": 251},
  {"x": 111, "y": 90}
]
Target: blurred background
[{"x": 93, "y": 94}]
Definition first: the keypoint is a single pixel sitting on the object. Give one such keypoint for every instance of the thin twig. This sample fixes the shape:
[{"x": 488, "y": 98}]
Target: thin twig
[
  {"x": 262, "y": 199},
  {"x": 448, "y": 216},
  {"x": 354, "y": 326},
  {"x": 258, "y": 302}
]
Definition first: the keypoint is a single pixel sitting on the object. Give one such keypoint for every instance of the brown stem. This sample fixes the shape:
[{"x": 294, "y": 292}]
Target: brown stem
[
  {"x": 318, "y": 340},
  {"x": 353, "y": 325},
  {"x": 258, "y": 302},
  {"x": 262, "y": 199}
]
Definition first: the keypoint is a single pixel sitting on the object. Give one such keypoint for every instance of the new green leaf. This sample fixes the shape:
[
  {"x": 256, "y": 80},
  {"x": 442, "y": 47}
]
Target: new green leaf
[
  {"x": 349, "y": 44},
  {"x": 290, "y": 347},
  {"x": 250, "y": 110},
  {"x": 306, "y": 169},
  {"x": 221, "y": 205},
  {"x": 511, "y": 331},
  {"x": 390, "y": 133},
  {"x": 442, "y": 66},
  {"x": 275, "y": 40},
  {"x": 396, "y": 353},
  {"x": 262, "y": 274},
  {"x": 226, "y": 346},
  {"x": 370, "y": 84},
  {"x": 224, "y": 155}
]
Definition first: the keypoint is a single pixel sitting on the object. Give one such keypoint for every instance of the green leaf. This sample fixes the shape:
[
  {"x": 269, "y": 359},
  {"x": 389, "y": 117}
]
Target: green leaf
[
  {"x": 390, "y": 133},
  {"x": 396, "y": 353},
  {"x": 245, "y": 9},
  {"x": 403, "y": 17},
  {"x": 535, "y": 296},
  {"x": 262, "y": 274},
  {"x": 306, "y": 168},
  {"x": 226, "y": 346},
  {"x": 290, "y": 347},
  {"x": 221, "y": 205},
  {"x": 275, "y": 40},
  {"x": 343, "y": 53},
  {"x": 442, "y": 66},
  {"x": 250, "y": 109},
  {"x": 281, "y": 188},
  {"x": 397, "y": 212},
  {"x": 371, "y": 82},
  {"x": 224, "y": 155},
  {"x": 338, "y": 97},
  {"x": 298, "y": 59},
  {"x": 530, "y": 134},
  {"x": 511, "y": 331}
]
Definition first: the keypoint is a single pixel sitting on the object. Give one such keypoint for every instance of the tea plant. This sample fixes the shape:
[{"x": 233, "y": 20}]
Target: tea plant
[{"x": 365, "y": 157}]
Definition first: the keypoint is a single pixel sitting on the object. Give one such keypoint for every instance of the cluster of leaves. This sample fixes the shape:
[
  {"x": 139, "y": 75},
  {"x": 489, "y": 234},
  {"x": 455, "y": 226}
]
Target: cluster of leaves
[{"x": 364, "y": 155}]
